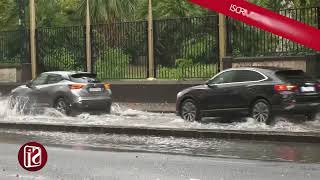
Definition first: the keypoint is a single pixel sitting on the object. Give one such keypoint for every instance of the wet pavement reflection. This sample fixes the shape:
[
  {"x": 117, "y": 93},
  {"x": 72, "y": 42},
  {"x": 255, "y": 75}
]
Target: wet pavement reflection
[{"x": 259, "y": 150}]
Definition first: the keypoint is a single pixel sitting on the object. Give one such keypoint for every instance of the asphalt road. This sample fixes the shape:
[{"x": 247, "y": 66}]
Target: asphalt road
[{"x": 74, "y": 163}]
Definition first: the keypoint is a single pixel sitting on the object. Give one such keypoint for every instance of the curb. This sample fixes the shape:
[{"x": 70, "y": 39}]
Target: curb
[{"x": 305, "y": 137}]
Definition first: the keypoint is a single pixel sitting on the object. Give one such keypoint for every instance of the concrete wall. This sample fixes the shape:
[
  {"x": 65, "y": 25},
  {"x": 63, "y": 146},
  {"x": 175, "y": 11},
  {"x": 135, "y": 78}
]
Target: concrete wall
[
  {"x": 152, "y": 92},
  {"x": 309, "y": 63},
  {"x": 135, "y": 91},
  {"x": 15, "y": 73}
]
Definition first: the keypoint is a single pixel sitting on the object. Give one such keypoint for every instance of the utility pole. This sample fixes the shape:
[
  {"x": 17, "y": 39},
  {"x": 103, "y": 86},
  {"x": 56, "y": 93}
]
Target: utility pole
[
  {"x": 150, "y": 42},
  {"x": 222, "y": 39},
  {"x": 88, "y": 38},
  {"x": 32, "y": 38}
]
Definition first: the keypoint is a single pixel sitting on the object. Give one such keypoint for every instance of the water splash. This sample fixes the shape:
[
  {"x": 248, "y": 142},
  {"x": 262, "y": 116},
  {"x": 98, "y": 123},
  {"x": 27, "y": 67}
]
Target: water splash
[{"x": 123, "y": 116}]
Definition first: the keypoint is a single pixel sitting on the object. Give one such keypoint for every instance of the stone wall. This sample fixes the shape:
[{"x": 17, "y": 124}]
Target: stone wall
[
  {"x": 309, "y": 63},
  {"x": 15, "y": 73}
]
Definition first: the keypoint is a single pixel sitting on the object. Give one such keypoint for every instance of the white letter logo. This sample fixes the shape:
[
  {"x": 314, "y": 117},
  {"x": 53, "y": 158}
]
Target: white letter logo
[
  {"x": 239, "y": 10},
  {"x": 32, "y": 156}
]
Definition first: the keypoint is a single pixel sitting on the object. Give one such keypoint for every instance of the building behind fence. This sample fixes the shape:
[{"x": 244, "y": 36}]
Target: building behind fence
[{"x": 183, "y": 47}]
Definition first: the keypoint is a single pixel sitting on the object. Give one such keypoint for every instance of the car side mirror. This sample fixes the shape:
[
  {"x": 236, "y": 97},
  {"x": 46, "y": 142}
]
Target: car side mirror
[
  {"x": 210, "y": 84},
  {"x": 29, "y": 84}
]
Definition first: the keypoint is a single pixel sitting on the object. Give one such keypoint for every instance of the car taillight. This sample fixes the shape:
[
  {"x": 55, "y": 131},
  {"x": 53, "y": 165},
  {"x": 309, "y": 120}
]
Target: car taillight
[
  {"x": 107, "y": 86},
  {"x": 318, "y": 85},
  {"x": 284, "y": 87},
  {"x": 76, "y": 86}
]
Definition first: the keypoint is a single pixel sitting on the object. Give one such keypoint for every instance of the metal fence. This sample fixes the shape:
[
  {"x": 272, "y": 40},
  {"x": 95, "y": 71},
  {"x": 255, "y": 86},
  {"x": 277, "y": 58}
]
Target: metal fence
[
  {"x": 119, "y": 50},
  {"x": 14, "y": 47},
  {"x": 183, "y": 47},
  {"x": 186, "y": 47},
  {"x": 61, "y": 49},
  {"x": 245, "y": 40}
]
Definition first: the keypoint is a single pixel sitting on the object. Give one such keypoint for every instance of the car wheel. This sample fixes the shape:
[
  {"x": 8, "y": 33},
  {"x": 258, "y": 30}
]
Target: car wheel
[
  {"x": 62, "y": 106},
  {"x": 261, "y": 111},
  {"x": 189, "y": 111},
  {"x": 108, "y": 110},
  {"x": 311, "y": 116}
]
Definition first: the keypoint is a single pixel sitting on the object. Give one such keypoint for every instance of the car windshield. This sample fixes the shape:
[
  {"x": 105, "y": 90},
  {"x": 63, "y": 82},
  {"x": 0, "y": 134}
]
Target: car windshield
[{"x": 84, "y": 78}]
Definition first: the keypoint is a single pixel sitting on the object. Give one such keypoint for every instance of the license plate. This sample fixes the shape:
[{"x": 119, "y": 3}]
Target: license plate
[
  {"x": 308, "y": 89},
  {"x": 95, "y": 89}
]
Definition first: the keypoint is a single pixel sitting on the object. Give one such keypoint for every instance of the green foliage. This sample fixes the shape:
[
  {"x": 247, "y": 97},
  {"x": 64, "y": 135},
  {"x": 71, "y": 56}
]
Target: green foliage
[
  {"x": 183, "y": 63},
  {"x": 169, "y": 9},
  {"x": 59, "y": 59},
  {"x": 186, "y": 69},
  {"x": 202, "y": 48},
  {"x": 112, "y": 64},
  {"x": 106, "y": 11}
]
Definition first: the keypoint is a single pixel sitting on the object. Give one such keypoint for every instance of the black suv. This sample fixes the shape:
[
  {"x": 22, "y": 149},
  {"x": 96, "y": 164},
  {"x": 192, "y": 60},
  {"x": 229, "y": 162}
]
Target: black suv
[{"x": 257, "y": 92}]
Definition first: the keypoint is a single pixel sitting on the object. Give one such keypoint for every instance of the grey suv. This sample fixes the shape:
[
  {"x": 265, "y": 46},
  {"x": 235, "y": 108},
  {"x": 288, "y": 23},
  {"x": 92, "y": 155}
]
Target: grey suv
[{"x": 68, "y": 92}]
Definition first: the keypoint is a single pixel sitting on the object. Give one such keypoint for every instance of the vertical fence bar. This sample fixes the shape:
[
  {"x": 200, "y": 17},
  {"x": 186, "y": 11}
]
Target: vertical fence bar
[
  {"x": 229, "y": 36},
  {"x": 318, "y": 16}
]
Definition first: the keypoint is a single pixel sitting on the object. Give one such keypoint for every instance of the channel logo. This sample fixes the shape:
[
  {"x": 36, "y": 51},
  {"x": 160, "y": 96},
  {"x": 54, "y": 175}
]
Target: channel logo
[{"x": 32, "y": 156}]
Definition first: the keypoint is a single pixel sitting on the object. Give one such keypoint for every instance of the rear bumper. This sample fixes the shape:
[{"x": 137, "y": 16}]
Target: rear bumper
[
  {"x": 297, "y": 107},
  {"x": 87, "y": 105}
]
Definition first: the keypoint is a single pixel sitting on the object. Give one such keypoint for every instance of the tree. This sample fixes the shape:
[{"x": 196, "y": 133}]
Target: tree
[
  {"x": 106, "y": 11},
  {"x": 169, "y": 9}
]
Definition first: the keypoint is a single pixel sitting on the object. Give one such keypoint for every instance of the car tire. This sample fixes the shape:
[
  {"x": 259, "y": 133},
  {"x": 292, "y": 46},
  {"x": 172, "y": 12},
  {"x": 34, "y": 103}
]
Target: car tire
[
  {"x": 311, "y": 116},
  {"x": 261, "y": 111},
  {"x": 62, "y": 106},
  {"x": 108, "y": 110},
  {"x": 189, "y": 111}
]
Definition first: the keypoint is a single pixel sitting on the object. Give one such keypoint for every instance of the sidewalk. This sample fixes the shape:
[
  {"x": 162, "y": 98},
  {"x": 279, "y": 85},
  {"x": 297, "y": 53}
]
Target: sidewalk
[{"x": 150, "y": 107}]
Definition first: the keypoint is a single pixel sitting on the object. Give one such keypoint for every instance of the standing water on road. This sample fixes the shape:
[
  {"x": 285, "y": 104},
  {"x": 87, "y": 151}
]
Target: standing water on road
[{"x": 122, "y": 116}]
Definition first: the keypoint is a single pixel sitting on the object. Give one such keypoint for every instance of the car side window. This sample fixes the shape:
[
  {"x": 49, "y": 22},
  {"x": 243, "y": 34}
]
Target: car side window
[
  {"x": 225, "y": 77},
  {"x": 54, "y": 78},
  {"x": 247, "y": 75},
  {"x": 40, "y": 80}
]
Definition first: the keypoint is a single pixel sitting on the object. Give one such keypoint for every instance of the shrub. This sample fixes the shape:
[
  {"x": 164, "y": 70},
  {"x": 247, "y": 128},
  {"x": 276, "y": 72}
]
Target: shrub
[
  {"x": 201, "y": 49},
  {"x": 60, "y": 59},
  {"x": 112, "y": 64},
  {"x": 186, "y": 69}
]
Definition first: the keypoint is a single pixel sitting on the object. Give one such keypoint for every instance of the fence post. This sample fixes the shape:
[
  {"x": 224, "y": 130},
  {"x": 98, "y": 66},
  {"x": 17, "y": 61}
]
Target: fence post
[
  {"x": 88, "y": 38},
  {"x": 32, "y": 38},
  {"x": 150, "y": 42},
  {"x": 222, "y": 39}
]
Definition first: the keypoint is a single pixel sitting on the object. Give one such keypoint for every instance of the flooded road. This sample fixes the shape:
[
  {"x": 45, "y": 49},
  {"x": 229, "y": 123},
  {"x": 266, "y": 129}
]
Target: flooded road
[{"x": 123, "y": 116}]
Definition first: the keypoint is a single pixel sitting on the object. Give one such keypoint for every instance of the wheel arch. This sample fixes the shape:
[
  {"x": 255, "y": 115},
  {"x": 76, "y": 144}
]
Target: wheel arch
[
  {"x": 182, "y": 100},
  {"x": 57, "y": 97},
  {"x": 258, "y": 98}
]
